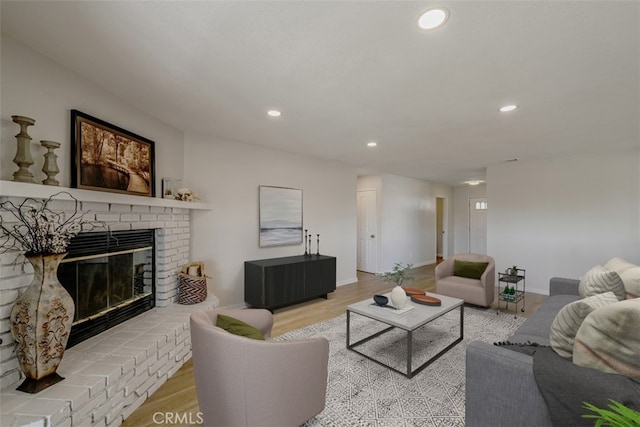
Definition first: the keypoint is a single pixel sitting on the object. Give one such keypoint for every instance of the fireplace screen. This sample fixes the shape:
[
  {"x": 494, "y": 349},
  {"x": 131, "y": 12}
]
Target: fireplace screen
[
  {"x": 110, "y": 277},
  {"x": 100, "y": 283}
]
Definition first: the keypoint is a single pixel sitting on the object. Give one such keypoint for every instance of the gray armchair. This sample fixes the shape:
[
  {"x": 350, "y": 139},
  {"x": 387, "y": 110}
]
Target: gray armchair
[
  {"x": 245, "y": 382},
  {"x": 474, "y": 291}
]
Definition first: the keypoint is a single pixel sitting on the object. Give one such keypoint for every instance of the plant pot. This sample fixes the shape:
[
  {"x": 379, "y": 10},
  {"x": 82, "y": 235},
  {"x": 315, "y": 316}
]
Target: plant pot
[
  {"x": 398, "y": 297},
  {"x": 41, "y": 320}
]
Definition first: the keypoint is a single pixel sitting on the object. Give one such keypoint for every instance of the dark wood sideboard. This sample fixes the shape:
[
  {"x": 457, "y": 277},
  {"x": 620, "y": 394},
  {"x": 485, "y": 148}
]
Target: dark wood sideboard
[{"x": 276, "y": 282}]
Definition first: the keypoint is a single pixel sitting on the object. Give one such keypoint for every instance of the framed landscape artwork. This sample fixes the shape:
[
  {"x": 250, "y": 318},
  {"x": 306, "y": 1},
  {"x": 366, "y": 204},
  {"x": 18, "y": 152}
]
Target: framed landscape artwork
[
  {"x": 106, "y": 157},
  {"x": 280, "y": 216}
]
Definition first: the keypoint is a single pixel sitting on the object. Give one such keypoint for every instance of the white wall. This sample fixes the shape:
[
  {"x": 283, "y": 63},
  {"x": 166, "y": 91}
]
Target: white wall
[
  {"x": 228, "y": 174},
  {"x": 34, "y": 86},
  {"x": 406, "y": 218},
  {"x": 462, "y": 194},
  {"x": 562, "y": 216}
]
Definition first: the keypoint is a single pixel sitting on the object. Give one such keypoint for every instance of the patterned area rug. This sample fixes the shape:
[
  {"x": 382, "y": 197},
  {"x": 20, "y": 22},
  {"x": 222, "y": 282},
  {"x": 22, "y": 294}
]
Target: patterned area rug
[{"x": 362, "y": 393}]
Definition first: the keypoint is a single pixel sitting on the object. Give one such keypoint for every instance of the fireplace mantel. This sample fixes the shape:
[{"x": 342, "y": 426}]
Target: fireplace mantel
[{"x": 39, "y": 191}]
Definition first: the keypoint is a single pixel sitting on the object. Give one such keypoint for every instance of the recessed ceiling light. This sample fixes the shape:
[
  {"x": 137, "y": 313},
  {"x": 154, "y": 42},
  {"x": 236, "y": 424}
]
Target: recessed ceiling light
[
  {"x": 476, "y": 182},
  {"x": 372, "y": 144},
  {"x": 433, "y": 18},
  {"x": 274, "y": 113},
  {"x": 507, "y": 108}
]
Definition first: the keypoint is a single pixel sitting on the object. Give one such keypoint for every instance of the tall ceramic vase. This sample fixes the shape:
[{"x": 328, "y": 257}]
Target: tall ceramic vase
[{"x": 41, "y": 321}]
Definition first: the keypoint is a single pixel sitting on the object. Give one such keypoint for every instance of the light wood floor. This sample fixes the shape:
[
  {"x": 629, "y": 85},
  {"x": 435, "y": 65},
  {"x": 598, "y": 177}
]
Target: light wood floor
[{"x": 178, "y": 394}]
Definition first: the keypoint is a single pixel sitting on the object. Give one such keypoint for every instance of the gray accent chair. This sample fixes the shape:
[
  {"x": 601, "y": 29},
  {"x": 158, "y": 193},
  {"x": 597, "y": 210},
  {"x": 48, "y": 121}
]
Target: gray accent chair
[
  {"x": 479, "y": 292},
  {"x": 245, "y": 382}
]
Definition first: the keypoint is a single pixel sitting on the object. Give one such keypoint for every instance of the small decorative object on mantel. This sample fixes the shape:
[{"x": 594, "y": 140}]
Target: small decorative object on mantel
[
  {"x": 42, "y": 315},
  {"x": 318, "y": 245},
  {"x": 23, "y": 154},
  {"x": 167, "y": 188},
  {"x": 50, "y": 167},
  {"x": 186, "y": 195},
  {"x": 193, "y": 284},
  {"x": 306, "y": 252}
]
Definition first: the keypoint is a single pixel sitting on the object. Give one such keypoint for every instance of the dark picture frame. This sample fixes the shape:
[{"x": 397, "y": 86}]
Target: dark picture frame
[
  {"x": 105, "y": 157},
  {"x": 280, "y": 216}
]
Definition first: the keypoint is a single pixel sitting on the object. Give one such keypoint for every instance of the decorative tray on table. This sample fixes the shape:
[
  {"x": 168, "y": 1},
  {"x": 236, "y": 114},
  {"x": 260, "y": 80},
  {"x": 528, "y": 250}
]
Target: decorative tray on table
[
  {"x": 413, "y": 291},
  {"x": 426, "y": 300}
]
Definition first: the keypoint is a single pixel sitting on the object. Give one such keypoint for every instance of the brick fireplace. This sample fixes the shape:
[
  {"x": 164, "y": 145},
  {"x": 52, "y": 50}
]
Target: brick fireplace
[{"x": 109, "y": 375}]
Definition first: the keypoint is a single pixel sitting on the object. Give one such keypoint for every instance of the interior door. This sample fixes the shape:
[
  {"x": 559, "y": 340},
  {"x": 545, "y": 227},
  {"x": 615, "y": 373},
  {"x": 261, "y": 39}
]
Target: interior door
[
  {"x": 478, "y": 225},
  {"x": 367, "y": 231}
]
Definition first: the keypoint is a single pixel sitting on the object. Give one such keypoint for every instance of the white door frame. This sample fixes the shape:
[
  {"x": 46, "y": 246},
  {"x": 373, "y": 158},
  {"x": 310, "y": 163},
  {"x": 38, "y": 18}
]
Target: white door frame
[
  {"x": 367, "y": 237},
  {"x": 445, "y": 226}
]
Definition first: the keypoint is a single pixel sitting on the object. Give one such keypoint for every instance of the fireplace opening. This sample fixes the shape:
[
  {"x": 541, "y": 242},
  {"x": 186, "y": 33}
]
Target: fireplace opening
[{"x": 111, "y": 278}]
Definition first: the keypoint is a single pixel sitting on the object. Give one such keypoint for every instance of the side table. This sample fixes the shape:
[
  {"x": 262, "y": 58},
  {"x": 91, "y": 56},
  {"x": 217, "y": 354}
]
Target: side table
[{"x": 518, "y": 295}]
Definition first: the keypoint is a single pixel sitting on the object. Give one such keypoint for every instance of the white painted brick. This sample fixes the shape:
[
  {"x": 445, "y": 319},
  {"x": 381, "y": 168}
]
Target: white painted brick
[
  {"x": 99, "y": 413},
  {"x": 16, "y": 282},
  {"x": 130, "y": 217},
  {"x": 156, "y": 224},
  {"x": 96, "y": 385},
  {"x": 8, "y": 296},
  {"x": 84, "y": 422},
  {"x": 114, "y": 416},
  {"x": 183, "y": 224},
  {"x": 63, "y": 205},
  {"x": 54, "y": 411},
  {"x": 120, "y": 226},
  {"x": 109, "y": 372},
  {"x": 170, "y": 224},
  {"x": 75, "y": 396},
  {"x": 148, "y": 217},
  {"x": 65, "y": 423},
  {"x": 140, "y": 225},
  {"x": 164, "y": 217},
  {"x": 6, "y": 420},
  {"x": 108, "y": 217},
  {"x": 130, "y": 408},
  {"x": 156, "y": 209},
  {"x": 9, "y": 379},
  {"x": 169, "y": 239},
  {"x": 158, "y": 364},
  {"x": 142, "y": 389},
  {"x": 95, "y": 207},
  {"x": 140, "y": 208},
  {"x": 114, "y": 207}
]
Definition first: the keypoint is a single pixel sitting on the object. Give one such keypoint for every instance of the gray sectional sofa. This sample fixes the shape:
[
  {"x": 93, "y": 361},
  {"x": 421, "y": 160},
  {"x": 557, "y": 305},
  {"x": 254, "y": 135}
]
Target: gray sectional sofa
[{"x": 501, "y": 388}]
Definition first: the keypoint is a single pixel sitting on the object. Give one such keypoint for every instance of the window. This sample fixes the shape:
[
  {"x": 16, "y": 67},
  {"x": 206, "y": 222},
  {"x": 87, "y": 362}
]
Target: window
[{"x": 481, "y": 206}]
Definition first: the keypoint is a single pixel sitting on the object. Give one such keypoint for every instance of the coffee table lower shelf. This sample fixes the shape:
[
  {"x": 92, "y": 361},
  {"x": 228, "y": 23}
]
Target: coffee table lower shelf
[{"x": 409, "y": 372}]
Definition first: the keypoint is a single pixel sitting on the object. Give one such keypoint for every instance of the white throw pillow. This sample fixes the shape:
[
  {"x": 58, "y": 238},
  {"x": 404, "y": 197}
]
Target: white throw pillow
[
  {"x": 608, "y": 339},
  {"x": 631, "y": 279},
  {"x": 599, "y": 280},
  {"x": 618, "y": 265},
  {"x": 568, "y": 320}
]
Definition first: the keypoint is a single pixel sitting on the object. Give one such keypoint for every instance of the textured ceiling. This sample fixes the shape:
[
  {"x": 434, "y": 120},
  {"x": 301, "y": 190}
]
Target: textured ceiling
[{"x": 345, "y": 73}]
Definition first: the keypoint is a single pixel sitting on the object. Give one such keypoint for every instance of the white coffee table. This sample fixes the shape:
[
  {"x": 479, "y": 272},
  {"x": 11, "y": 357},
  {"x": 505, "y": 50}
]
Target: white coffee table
[{"x": 419, "y": 316}]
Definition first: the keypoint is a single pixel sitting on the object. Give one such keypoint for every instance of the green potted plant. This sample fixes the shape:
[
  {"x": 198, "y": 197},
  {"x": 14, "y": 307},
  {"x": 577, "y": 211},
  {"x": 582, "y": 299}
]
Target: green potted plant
[
  {"x": 513, "y": 270},
  {"x": 616, "y": 415},
  {"x": 397, "y": 275}
]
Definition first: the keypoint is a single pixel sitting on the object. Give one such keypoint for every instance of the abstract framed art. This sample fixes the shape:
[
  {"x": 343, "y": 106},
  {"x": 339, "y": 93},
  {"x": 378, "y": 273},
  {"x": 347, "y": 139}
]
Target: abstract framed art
[
  {"x": 280, "y": 216},
  {"x": 106, "y": 157}
]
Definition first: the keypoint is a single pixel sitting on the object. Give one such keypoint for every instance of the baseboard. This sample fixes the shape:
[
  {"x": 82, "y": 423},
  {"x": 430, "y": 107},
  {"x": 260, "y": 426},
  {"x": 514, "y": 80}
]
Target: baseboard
[
  {"x": 422, "y": 264},
  {"x": 347, "y": 281}
]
